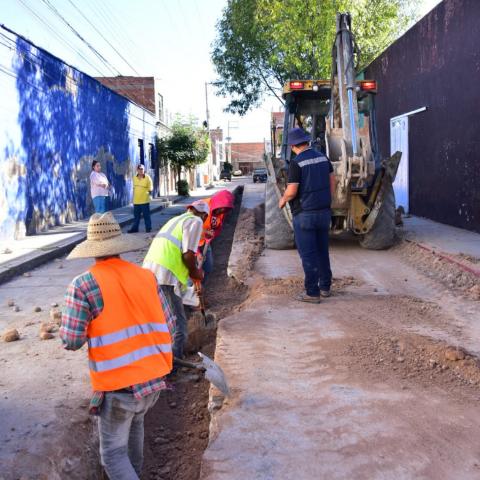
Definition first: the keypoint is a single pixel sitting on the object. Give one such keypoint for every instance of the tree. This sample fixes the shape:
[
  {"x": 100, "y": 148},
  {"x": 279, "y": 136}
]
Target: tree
[
  {"x": 187, "y": 147},
  {"x": 260, "y": 44}
]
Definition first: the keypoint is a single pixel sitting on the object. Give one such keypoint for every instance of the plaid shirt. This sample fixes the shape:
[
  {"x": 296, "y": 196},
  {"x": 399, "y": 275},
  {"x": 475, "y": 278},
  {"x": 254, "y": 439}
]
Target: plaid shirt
[{"x": 83, "y": 303}]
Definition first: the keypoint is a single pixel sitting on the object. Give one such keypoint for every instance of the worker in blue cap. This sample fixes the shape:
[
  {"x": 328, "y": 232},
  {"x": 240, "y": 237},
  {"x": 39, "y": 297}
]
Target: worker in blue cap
[{"x": 309, "y": 192}]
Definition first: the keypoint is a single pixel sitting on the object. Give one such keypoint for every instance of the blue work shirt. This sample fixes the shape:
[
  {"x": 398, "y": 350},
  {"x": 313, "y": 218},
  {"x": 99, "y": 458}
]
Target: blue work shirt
[{"x": 311, "y": 170}]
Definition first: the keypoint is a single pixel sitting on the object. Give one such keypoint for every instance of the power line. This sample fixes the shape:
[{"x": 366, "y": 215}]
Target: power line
[
  {"x": 93, "y": 49},
  {"x": 123, "y": 30},
  {"x": 59, "y": 37},
  {"x": 32, "y": 62},
  {"x": 172, "y": 20},
  {"x": 15, "y": 75},
  {"x": 107, "y": 23},
  {"x": 101, "y": 35},
  {"x": 47, "y": 56}
]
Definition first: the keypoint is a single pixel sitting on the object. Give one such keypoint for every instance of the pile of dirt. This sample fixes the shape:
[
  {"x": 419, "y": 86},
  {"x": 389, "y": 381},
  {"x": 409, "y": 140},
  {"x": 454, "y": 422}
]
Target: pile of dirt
[
  {"x": 387, "y": 350},
  {"x": 177, "y": 428},
  {"x": 249, "y": 242},
  {"x": 440, "y": 269},
  {"x": 468, "y": 258},
  {"x": 291, "y": 285}
]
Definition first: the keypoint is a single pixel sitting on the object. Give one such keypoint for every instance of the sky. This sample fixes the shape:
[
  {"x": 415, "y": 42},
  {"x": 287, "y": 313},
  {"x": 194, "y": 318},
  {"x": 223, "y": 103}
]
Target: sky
[{"x": 168, "y": 39}]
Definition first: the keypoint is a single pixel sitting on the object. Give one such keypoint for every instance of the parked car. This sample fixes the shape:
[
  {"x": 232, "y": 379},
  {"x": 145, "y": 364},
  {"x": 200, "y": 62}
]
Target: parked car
[
  {"x": 260, "y": 175},
  {"x": 226, "y": 175},
  {"x": 237, "y": 173}
]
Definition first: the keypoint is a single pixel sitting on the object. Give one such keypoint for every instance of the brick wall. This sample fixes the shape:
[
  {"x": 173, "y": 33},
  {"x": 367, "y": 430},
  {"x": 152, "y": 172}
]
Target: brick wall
[
  {"x": 140, "y": 90},
  {"x": 247, "y": 156}
]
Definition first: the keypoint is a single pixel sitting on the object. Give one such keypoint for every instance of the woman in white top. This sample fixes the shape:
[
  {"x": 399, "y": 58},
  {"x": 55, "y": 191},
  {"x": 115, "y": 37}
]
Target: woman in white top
[{"x": 99, "y": 187}]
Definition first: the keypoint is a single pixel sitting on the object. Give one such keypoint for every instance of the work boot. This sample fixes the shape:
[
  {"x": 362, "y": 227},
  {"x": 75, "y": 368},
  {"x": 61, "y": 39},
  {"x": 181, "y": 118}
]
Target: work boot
[
  {"x": 132, "y": 231},
  {"x": 303, "y": 297},
  {"x": 325, "y": 293}
]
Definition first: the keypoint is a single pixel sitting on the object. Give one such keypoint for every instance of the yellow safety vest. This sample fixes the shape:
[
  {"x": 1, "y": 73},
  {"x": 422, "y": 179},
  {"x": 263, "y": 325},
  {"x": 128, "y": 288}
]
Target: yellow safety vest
[{"x": 166, "y": 248}]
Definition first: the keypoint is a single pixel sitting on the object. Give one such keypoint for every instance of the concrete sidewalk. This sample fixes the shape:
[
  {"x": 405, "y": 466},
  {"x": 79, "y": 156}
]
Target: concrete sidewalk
[
  {"x": 312, "y": 396},
  {"x": 20, "y": 256},
  {"x": 441, "y": 237}
]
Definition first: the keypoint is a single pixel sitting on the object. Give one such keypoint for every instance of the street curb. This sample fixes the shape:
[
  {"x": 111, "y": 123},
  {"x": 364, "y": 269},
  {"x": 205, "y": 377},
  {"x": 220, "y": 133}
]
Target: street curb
[
  {"x": 252, "y": 203},
  {"x": 446, "y": 257},
  {"x": 34, "y": 259}
]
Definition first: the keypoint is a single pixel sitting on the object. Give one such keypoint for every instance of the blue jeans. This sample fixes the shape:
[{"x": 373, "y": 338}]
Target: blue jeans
[
  {"x": 311, "y": 236},
  {"x": 120, "y": 427},
  {"x": 100, "y": 204},
  {"x": 181, "y": 332},
  {"x": 208, "y": 261},
  {"x": 138, "y": 211}
]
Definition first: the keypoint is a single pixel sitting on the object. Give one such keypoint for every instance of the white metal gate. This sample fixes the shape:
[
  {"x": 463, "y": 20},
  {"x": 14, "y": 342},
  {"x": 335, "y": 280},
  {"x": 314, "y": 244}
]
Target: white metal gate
[{"x": 399, "y": 142}]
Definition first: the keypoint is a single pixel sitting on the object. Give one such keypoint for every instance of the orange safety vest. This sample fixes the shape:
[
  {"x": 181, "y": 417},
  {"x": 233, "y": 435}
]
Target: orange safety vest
[
  {"x": 129, "y": 342},
  {"x": 207, "y": 224}
]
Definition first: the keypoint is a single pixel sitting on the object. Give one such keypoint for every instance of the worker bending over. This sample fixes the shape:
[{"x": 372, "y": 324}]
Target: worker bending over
[
  {"x": 118, "y": 308},
  {"x": 221, "y": 204},
  {"x": 310, "y": 183},
  {"x": 172, "y": 258}
]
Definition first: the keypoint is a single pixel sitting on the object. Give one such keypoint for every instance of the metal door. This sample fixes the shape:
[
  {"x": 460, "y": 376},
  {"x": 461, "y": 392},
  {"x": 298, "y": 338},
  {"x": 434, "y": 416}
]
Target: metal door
[{"x": 399, "y": 142}]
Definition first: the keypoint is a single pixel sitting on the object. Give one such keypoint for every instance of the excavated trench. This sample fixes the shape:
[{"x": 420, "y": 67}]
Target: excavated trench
[{"x": 176, "y": 429}]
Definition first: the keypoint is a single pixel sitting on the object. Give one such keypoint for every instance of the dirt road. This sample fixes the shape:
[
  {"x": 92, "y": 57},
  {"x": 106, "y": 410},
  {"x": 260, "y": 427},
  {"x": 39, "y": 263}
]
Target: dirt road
[
  {"x": 365, "y": 385},
  {"x": 45, "y": 431}
]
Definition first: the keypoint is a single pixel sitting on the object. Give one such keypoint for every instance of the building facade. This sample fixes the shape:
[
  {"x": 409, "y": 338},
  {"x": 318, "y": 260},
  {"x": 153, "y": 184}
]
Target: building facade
[
  {"x": 145, "y": 92},
  {"x": 54, "y": 121},
  {"x": 247, "y": 156},
  {"x": 218, "y": 151},
  {"x": 427, "y": 107}
]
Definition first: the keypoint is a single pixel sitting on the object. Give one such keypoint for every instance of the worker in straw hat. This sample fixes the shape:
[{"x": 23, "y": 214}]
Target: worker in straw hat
[
  {"x": 120, "y": 311},
  {"x": 172, "y": 258}
]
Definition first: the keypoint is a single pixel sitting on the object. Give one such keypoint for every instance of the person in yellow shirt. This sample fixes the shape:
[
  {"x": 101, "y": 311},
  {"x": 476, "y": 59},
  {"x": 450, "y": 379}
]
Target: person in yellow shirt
[{"x": 142, "y": 188}]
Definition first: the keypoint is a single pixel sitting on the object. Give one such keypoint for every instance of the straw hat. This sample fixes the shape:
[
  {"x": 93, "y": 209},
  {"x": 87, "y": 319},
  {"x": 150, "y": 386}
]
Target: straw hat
[{"x": 104, "y": 238}]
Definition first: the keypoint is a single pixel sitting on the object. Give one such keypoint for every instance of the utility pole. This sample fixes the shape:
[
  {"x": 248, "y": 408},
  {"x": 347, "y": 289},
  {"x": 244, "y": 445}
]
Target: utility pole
[
  {"x": 207, "y": 111},
  {"x": 210, "y": 166},
  {"x": 230, "y": 125}
]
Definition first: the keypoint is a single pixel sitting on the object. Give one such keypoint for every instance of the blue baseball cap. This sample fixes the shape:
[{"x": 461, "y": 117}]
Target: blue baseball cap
[{"x": 297, "y": 136}]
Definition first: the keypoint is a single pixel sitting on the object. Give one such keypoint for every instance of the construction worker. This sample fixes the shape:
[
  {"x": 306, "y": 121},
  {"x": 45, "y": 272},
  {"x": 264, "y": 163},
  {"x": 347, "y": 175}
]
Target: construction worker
[
  {"x": 172, "y": 258},
  {"x": 310, "y": 183},
  {"x": 142, "y": 189},
  {"x": 221, "y": 203},
  {"x": 120, "y": 311}
]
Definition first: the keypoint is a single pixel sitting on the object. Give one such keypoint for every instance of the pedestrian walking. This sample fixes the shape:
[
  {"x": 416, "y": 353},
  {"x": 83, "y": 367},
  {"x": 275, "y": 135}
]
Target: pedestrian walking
[
  {"x": 221, "y": 204},
  {"x": 172, "y": 258},
  {"x": 119, "y": 310},
  {"x": 99, "y": 188},
  {"x": 310, "y": 183},
  {"x": 142, "y": 189}
]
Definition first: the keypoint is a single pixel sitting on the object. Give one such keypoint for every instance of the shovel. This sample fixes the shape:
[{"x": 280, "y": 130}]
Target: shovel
[
  {"x": 198, "y": 284},
  {"x": 199, "y": 292},
  {"x": 213, "y": 373},
  {"x": 199, "y": 288}
]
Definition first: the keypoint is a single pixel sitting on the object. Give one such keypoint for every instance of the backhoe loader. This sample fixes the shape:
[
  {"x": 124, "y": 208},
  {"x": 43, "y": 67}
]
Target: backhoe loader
[{"x": 339, "y": 115}]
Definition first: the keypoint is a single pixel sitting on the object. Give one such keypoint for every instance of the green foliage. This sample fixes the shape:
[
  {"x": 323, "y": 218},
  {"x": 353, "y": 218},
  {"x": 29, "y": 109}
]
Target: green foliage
[
  {"x": 260, "y": 44},
  {"x": 183, "y": 188},
  {"x": 162, "y": 148},
  {"x": 187, "y": 147}
]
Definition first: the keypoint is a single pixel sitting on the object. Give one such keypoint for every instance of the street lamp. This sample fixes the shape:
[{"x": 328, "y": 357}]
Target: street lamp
[{"x": 230, "y": 125}]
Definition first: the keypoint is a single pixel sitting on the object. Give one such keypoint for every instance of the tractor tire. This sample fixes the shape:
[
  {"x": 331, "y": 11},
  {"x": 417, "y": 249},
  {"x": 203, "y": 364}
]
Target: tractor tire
[
  {"x": 278, "y": 233},
  {"x": 382, "y": 235}
]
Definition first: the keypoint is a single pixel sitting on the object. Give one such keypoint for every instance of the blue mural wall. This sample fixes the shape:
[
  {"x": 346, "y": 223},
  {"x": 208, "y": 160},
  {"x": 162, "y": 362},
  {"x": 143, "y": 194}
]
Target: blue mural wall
[{"x": 54, "y": 121}]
